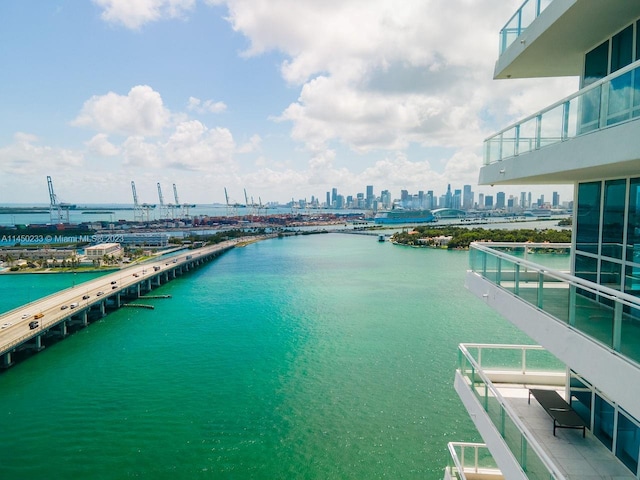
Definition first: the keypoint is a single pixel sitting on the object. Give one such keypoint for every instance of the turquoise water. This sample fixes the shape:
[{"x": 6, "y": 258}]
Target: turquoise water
[{"x": 312, "y": 357}]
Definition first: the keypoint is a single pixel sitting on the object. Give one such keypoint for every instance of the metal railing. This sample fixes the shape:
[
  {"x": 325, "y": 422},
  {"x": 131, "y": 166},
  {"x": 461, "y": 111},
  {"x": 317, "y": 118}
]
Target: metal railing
[
  {"x": 469, "y": 457},
  {"x": 610, "y": 101},
  {"x": 523, "y": 446},
  {"x": 520, "y": 20},
  {"x": 605, "y": 315}
]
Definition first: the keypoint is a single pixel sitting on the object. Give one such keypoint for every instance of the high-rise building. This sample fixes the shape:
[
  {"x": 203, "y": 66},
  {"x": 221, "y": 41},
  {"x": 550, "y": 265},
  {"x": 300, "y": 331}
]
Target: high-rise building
[
  {"x": 328, "y": 200},
  {"x": 430, "y": 200},
  {"x": 568, "y": 407},
  {"x": 467, "y": 197},
  {"x": 405, "y": 198},
  {"x": 448, "y": 197},
  {"x": 488, "y": 202},
  {"x": 556, "y": 200},
  {"x": 500, "y": 200},
  {"x": 334, "y": 197},
  {"x": 456, "y": 200},
  {"x": 481, "y": 200},
  {"x": 385, "y": 199},
  {"x": 370, "y": 196},
  {"x": 523, "y": 200}
]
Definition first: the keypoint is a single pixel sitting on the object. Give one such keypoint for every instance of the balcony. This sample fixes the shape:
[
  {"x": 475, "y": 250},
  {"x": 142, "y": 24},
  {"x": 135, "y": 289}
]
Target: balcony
[
  {"x": 593, "y": 329},
  {"x": 608, "y": 102},
  {"x": 548, "y": 38},
  {"x": 517, "y": 24},
  {"x": 493, "y": 383},
  {"x": 607, "y": 316},
  {"x": 471, "y": 461}
]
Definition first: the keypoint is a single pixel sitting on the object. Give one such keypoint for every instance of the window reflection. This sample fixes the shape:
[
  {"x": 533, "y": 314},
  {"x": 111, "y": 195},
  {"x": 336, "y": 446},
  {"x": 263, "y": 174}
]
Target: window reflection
[
  {"x": 633, "y": 222},
  {"x": 628, "y": 442},
  {"x": 603, "y": 421},
  {"x": 613, "y": 218},
  {"x": 588, "y": 217}
]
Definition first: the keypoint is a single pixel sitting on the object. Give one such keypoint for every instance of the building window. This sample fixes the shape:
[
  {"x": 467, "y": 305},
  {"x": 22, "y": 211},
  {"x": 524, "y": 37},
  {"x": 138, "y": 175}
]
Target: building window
[
  {"x": 588, "y": 217},
  {"x": 603, "y": 421},
  {"x": 613, "y": 218},
  {"x": 622, "y": 49},
  {"x": 596, "y": 64},
  {"x": 628, "y": 441},
  {"x": 586, "y": 268},
  {"x": 633, "y": 222},
  {"x": 580, "y": 398}
]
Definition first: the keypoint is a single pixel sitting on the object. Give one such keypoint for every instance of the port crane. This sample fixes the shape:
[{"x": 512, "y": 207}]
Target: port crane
[
  {"x": 165, "y": 210},
  {"x": 56, "y": 208},
  {"x": 137, "y": 209},
  {"x": 229, "y": 209},
  {"x": 185, "y": 206},
  {"x": 140, "y": 211}
]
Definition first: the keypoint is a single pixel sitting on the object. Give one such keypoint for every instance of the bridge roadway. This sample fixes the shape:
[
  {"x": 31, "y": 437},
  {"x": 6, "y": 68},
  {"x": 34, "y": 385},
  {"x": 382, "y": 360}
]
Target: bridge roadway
[{"x": 71, "y": 306}]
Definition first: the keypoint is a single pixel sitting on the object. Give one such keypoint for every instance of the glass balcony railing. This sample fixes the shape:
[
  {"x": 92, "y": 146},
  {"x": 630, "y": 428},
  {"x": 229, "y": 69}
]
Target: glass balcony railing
[
  {"x": 609, "y": 317},
  {"x": 522, "y": 444},
  {"x": 472, "y": 459},
  {"x": 517, "y": 24},
  {"x": 610, "y": 101}
]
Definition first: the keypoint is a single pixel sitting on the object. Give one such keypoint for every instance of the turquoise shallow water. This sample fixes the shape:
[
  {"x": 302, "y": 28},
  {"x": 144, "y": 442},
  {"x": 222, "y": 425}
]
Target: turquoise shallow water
[{"x": 313, "y": 357}]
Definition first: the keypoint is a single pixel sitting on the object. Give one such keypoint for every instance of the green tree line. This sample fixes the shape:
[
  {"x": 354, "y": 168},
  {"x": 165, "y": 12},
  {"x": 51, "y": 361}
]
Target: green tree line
[{"x": 462, "y": 237}]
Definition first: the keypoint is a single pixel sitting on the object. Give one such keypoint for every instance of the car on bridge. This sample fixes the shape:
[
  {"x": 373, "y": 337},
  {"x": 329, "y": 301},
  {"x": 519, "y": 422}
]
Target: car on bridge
[
  {"x": 85, "y": 297},
  {"x": 33, "y": 325},
  {"x": 64, "y": 307},
  {"x": 99, "y": 293}
]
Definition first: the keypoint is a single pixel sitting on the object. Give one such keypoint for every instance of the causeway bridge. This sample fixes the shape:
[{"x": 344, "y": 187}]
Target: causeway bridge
[{"x": 30, "y": 326}]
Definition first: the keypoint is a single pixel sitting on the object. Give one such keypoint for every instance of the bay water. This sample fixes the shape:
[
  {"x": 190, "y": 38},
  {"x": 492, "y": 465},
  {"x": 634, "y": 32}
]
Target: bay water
[{"x": 310, "y": 357}]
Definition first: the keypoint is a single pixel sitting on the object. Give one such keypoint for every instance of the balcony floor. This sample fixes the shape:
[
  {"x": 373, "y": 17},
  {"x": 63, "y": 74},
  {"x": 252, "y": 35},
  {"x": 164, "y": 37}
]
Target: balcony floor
[{"x": 576, "y": 457}]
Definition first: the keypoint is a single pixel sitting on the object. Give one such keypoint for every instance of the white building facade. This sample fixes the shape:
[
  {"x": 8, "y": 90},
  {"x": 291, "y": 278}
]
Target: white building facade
[{"x": 585, "y": 317}]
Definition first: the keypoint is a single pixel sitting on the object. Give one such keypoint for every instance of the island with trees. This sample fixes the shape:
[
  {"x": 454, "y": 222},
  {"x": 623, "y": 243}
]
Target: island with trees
[{"x": 460, "y": 238}]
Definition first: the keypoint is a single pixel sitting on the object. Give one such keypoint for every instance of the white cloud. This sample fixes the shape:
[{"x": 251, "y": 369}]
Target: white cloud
[
  {"x": 139, "y": 153},
  {"x": 135, "y": 13},
  {"x": 377, "y": 76},
  {"x": 100, "y": 145},
  {"x": 251, "y": 146},
  {"x": 25, "y": 156},
  {"x": 208, "y": 106},
  {"x": 141, "y": 112},
  {"x": 193, "y": 146}
]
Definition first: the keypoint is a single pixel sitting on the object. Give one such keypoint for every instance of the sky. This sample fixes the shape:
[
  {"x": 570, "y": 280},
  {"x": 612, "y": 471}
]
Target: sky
[{"x": 284, "y": 98}]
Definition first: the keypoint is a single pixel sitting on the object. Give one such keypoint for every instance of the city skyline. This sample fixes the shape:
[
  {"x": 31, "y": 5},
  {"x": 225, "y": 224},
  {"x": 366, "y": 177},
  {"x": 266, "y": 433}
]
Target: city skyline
[
  {"x": 210, "y": 94},
  {"x": 462, "y": 199}
]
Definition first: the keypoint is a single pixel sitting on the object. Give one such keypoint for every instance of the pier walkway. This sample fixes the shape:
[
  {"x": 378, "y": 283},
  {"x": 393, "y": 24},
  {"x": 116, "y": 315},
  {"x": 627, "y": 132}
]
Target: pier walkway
[{"x": 26, "y": 327}]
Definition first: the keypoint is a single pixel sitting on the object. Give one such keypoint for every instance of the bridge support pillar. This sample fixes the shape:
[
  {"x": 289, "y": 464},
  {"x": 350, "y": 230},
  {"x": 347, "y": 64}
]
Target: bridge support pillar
[
  {"x": 63, "y": 329},
  {"x": 37, "y": 346},
  {"x": 84, "y": 318},
  {"x": 118, "y": 302},
  {"x": 6, "y": 360},
  {"x": 103, "y": 308}
]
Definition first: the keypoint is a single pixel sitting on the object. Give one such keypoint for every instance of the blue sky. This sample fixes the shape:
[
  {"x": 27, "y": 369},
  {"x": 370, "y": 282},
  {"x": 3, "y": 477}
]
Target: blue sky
[{"x": 286, "y": 98}]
